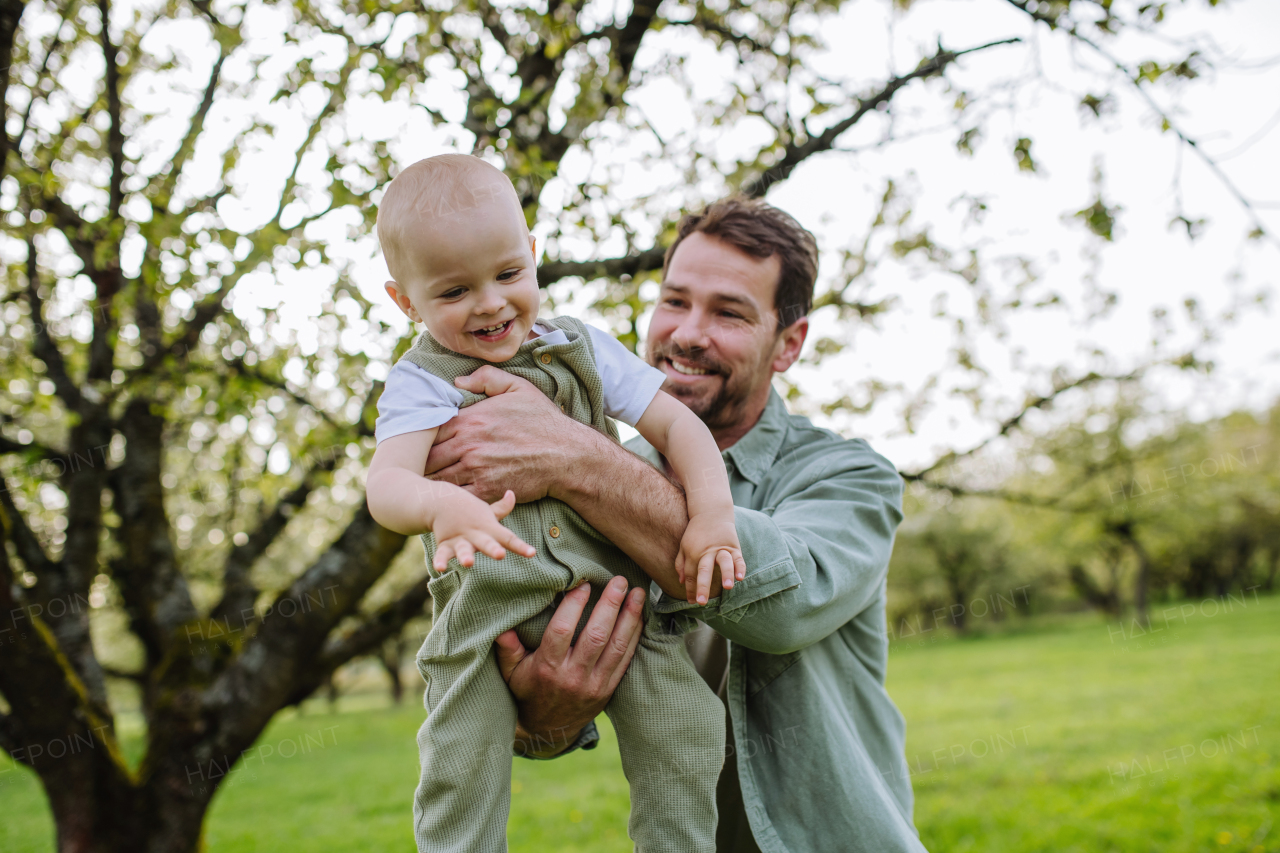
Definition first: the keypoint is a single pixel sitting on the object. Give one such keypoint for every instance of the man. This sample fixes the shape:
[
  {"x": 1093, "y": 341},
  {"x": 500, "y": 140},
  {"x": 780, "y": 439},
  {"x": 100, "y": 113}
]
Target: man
[{"x": 814, "y": 762}]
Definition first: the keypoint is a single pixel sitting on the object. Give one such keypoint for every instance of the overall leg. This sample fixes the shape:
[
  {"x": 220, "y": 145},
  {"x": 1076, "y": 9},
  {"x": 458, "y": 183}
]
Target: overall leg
[
  {"x": 464, "y": 750},
  {"x": 671, "y": 735}
]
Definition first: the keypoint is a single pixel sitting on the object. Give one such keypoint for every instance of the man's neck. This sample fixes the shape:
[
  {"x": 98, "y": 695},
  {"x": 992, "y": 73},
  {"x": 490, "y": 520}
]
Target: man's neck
[{"x": 727, "y": 437}]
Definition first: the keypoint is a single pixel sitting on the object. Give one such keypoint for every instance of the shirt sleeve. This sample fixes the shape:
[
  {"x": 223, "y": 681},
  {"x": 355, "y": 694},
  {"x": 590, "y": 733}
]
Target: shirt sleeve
[
  {"x": 816, "y": 558},
  {"x": 629, "y": 383},
  {"x": 414, "y": 400}
]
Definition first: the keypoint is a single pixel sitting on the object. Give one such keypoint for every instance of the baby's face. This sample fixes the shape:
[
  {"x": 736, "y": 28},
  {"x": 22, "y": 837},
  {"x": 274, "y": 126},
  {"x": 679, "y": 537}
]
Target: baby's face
[{"x": 471, "y": 278}]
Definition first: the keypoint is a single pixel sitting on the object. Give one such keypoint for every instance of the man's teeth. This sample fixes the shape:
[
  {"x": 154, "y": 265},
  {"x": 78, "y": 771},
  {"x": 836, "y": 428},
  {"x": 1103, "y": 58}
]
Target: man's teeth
[
  {"x": 687, "y": 371},
  {"x": 491, "y": 329}
]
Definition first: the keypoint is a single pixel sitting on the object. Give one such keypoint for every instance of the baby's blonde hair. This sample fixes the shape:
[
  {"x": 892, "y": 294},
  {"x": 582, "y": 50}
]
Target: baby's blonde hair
[{"x": 442, "y": 186}]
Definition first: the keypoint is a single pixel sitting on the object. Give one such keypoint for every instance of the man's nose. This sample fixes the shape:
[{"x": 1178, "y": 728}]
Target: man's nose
[{"x": 692, "y": 333}]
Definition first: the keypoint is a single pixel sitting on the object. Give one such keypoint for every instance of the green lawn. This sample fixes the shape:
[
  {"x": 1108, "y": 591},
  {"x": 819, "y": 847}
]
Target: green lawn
[{"x": 1067, "y": 736}]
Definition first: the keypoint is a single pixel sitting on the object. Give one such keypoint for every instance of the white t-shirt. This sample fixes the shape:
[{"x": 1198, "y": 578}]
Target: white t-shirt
[{"x": 414, "y": 399}]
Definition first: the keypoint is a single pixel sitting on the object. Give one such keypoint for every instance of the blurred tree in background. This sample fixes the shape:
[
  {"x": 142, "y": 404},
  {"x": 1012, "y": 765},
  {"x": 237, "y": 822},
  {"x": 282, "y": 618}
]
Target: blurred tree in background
[
  {"x": 183, "y": 527},
  {"x": 1087, "y": 515}
]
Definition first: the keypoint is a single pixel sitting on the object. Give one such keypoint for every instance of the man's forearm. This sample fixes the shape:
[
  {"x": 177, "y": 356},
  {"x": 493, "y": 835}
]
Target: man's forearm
[{"x": 631, "y": 503}]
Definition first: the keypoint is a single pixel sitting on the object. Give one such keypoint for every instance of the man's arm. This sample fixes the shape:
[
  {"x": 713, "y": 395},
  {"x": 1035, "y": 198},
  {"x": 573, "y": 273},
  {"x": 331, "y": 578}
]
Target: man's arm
[
  {"x": 817, "y": 557},
  {"x": 521, "y": 441}
]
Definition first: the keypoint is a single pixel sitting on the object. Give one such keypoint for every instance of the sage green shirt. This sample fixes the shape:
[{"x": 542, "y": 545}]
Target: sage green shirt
[{"x": 819, "y": 745}]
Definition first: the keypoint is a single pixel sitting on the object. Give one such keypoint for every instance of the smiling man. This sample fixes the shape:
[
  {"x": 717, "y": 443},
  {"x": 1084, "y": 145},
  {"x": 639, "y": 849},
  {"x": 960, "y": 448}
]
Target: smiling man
[{"x": 797, "y": 650}]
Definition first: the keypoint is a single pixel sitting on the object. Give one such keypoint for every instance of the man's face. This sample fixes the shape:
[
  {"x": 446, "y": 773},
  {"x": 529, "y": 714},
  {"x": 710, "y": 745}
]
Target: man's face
[{"x": 715, "y": 330}]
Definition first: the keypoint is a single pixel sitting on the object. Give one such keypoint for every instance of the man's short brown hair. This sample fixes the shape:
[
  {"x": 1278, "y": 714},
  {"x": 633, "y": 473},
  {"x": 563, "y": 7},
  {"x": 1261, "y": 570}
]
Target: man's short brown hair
[{"x": 762, "y": 231}]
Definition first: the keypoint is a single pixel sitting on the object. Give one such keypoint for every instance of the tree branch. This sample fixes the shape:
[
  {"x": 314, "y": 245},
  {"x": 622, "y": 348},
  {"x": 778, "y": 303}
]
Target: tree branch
[
  {"x": 239, "y": 593},
  {"x": 155, "y": 592},
  {"x": 115, "y": 133},
  {"x": 650, "y": 259},
  {"x": 161, "y": 194},
  {"x": 1033, "y": 404},
  {"x": 289, "y": 640},
  {"x": 1167, "y": 120},
  {"x": 43, "y": 346},
  {"x": 796, "y": 152},
  {"x": 10, "y": 14},
  {"x": 364, "y": 638}
]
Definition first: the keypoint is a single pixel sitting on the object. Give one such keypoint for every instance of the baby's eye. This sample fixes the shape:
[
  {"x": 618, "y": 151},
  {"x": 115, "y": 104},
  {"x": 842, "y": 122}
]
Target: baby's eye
[
  {"x": 453, "y": 294},
  {"x": 507, "y": 275}
]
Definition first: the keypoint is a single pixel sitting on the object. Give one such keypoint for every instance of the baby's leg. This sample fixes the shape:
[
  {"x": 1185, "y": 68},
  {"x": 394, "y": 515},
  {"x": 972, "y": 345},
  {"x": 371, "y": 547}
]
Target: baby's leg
[
  {"x": 464, "y": 790},
  {"x": 671, "y": 735}
]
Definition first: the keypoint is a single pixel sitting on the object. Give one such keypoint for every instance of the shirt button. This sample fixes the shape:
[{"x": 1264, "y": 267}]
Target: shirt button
[
  {"x": 554, "y": 531},
  {"x": 546, "y": 359}
]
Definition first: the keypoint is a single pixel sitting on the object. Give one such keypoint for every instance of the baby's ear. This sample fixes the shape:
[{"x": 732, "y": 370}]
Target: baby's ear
[
  {"x": 402, "y": 301},
  {"x": 533, "y": 247}
]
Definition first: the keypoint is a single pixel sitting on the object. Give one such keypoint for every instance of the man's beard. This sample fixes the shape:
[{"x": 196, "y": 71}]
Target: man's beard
[{"x": 719, "y": 409}]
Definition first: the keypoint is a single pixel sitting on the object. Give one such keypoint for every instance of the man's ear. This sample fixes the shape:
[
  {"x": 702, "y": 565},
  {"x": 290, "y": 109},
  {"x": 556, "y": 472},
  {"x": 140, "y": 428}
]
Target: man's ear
[
  {"x": 790, "y": 342},
  {"x": 402, "y": 301}
]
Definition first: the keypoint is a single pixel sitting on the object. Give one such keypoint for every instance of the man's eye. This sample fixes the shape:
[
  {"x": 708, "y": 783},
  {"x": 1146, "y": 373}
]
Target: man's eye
[
  {"x": 731, "y": 315},
  {"x": 674, "y": 303}
]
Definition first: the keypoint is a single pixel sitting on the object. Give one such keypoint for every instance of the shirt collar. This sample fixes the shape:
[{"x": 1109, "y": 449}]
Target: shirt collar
[{"x": 754, "y": 453}]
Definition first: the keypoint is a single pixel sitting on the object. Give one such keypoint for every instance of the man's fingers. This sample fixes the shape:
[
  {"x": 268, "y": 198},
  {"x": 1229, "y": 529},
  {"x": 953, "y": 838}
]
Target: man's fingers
[
  {"x": 725, "y": 561},
  {"x": 490, "y": 381},
  {"x": 594, "y": 637},
  {"x": 510, "y": 652},
  {"x": 558, "y": 637},
  {"x": 626, "y": 636}
]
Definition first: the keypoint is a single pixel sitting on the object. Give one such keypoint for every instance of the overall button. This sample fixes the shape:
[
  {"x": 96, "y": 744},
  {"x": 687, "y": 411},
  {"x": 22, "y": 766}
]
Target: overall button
[
  {"x": 562, "y": 408},
  {"x": 546, "y": 358},
  {"x": 554, "y": 532}
]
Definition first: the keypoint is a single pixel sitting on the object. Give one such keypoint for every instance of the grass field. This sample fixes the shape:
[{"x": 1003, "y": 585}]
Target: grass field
[{"x": 1065, "y": 735}]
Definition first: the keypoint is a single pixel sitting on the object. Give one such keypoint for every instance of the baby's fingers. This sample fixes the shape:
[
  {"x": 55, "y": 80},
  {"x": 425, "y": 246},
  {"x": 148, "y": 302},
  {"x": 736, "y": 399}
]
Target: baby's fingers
[
  {"x": 705, "y": 567},
  {"x": 465, "y": 551},
  {"x": 444, "y": 550},
  {"x": 724, "y": 560},
  {"x": 515, "y": 543},
  {"x": 680, "y": 565},
  {"x": 502, "y": 508},
  {"x": 486, "y": 544},
  {"x": 739, "y": 565}
]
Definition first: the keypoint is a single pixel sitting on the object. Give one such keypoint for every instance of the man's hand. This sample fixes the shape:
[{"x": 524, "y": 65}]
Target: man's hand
[
  {"x": 560, "y": 687},
  {"x": 513, "y": 440}
]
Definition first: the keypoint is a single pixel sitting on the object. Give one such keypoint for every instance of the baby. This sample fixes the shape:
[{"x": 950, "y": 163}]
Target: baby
[{"x": 456, "y": 242}]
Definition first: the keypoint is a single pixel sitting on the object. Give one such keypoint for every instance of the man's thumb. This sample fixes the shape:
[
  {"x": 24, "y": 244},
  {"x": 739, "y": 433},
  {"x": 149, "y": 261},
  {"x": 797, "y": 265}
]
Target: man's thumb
[{"x": 510, "y": 652}]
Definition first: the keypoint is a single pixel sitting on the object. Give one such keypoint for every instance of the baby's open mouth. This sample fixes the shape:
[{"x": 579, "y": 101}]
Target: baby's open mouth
[{"x": 492, "y": 333}]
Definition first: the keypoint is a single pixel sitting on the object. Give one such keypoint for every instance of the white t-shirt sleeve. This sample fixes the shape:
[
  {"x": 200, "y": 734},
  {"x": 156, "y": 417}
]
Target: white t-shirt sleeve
[
  {"x": 629, "y": 383},
  {"x": 414, "y": 400}
]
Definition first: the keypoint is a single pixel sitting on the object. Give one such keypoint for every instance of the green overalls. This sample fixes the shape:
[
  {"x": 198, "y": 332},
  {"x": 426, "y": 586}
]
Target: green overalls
[{"x": 670, "y": 725}]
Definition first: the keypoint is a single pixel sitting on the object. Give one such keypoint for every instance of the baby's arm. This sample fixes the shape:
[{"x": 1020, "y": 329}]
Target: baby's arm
[
  {"x": 402, "y": 499},
  {"x": 711, "y": 538}
]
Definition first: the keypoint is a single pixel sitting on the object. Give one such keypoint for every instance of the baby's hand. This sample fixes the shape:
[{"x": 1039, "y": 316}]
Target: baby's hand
[
  {"x": 709, "y": 541},
  {"x": 468, "y": 524}
]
